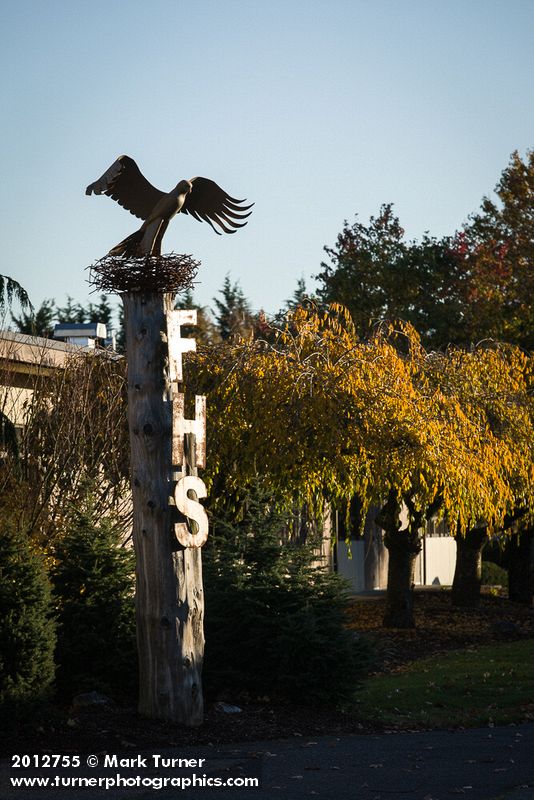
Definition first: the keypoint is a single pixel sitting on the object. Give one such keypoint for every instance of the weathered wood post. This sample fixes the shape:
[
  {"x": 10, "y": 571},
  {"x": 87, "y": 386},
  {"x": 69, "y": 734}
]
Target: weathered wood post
[
  {"x": 169, "y": 524},
  {"x": 165, "y": 446}
]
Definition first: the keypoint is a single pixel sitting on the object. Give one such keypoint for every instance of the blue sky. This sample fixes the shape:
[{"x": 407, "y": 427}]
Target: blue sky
[{"x": 316, "y": 111}]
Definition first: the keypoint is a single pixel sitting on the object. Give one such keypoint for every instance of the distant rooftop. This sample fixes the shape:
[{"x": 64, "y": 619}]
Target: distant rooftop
[
  {"x": 65, "y": 330},
  {"x": 31, "y": 355}
]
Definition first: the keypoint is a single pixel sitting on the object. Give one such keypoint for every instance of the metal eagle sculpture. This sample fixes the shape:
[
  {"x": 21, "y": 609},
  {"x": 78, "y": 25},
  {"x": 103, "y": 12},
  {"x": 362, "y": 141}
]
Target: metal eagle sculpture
[{"x": 200, "y": 197}]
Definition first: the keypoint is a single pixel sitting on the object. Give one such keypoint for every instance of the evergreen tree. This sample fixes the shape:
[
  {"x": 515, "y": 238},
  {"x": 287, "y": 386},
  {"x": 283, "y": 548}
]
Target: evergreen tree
[
  {"x": 93, "y": 585},
  {"x": 274, "y": 621},
  {"x": 71, "y": 312},
  {"x": 27, "y": 631},
  {"x": 39, "y": 323},
  {"x": 499, "y": 248},
  {"x": 205, "y": 331},
  {"x": 233, "y": 314},
  {"x": 299, "y": 297},
  {"x": 101, "y": 312}
]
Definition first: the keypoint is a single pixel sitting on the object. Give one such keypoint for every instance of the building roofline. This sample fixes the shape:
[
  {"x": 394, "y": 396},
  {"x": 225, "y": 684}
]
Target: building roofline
[{"x": 40, "y": 354}]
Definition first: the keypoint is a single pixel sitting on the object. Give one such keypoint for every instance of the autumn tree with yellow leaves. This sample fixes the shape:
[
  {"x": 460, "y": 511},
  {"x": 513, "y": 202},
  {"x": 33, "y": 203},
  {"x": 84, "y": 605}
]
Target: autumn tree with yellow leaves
[
  {"x": 319, "y": 415},
  {"x": 492, "y": 385}
]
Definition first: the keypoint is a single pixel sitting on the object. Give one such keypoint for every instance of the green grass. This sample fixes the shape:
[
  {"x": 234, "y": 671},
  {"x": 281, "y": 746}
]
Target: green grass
[{"x": 492, "y": 684}]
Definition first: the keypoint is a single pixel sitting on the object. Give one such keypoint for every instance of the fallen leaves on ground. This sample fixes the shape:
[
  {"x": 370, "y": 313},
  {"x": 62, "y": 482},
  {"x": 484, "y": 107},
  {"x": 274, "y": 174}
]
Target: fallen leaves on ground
[{"x": 440, "y": 627}]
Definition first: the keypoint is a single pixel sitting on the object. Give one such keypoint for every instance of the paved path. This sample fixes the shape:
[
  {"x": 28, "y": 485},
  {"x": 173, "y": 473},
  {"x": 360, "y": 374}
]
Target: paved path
[{"x": 481, "y": 764}]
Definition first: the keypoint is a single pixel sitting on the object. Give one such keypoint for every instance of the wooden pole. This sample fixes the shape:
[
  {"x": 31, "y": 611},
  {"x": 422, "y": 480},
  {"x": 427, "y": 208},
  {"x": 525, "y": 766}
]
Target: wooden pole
[{"x": 169, "y": 596}]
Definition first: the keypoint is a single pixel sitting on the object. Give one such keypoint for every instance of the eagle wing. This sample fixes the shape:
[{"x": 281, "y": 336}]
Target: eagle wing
[
  {"x": 209, "y": 203},
  {"x": 126, "y": 184}
]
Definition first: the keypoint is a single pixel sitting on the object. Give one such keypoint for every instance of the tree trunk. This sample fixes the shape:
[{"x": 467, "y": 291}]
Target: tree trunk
[
  {"x": 403, "y": 546},
  {"x": 468, "y": 572},
  {"x": 520, "y": 566},
  {"x": 169, "y": 597}
]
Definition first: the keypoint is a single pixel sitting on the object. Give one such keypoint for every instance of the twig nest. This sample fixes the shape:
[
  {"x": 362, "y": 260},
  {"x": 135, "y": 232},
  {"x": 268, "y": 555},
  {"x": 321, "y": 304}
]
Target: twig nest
[{"x": 169, "y": 273}]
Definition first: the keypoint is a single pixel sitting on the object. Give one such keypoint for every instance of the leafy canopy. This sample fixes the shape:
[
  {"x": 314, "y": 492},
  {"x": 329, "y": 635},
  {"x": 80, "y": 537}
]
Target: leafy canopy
[
  {"x": 460, "y": 289},
  {"x": 319, "y": 414}
]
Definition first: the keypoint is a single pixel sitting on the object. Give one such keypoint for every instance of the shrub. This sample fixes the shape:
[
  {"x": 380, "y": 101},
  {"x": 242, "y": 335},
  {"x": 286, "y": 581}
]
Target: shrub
[
  {"x": 93, "y": 583},
  {"x": 27, "y": 630},
  {"x": 493, "y": 575},
  {"x": 274, "y": 621}
]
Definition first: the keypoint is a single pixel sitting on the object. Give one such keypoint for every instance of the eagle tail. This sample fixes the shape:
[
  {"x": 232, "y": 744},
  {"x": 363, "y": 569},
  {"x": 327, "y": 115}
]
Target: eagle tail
[{"x": 129, "y": 246}]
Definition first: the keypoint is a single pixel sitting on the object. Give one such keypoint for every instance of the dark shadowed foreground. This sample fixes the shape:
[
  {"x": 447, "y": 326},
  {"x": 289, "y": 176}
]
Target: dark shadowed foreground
[{"x": 481, "y": 764}]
